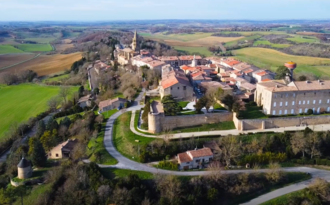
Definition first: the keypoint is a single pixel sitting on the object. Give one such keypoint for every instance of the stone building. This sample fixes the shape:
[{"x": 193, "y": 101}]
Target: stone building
[
  {"x": 279, "y": 98},
  {"x": 194, "y": 159},
  {"x": 117, "y": 103},
  {"x": 62, "y": 150},
  {"x": 177, "y": 85},
  {"x": 24, "y": 169}
]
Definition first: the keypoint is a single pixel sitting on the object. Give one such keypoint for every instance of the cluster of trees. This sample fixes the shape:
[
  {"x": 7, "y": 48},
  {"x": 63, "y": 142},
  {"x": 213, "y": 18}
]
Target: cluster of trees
[
  {"x": 222, "y": 34},
  {"x": 21, "y": 76},
  {"x": 309, "y": 49},
  {"x": 171, "y": 107}
]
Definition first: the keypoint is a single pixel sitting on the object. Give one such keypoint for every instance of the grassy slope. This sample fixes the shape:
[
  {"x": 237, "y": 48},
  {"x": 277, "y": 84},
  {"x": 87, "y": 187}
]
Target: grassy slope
[
  {"x": 271, "y": 59},
  {"x": 20, "y": 102},
  {"x": 124, "y": 138},
  {"x": 111, "y": 173},
  {"x": 97, "y": 145},
  {"x": 9, "y": 49},
  {"x": 300, "y": 39},
  {"x": 191, "y": 50},
  {"x": 35, "y": 47},
  {"x": 265, "y": 42},
  {"x": 33, "y": 196},
  {"x": 57, "y": 78}
]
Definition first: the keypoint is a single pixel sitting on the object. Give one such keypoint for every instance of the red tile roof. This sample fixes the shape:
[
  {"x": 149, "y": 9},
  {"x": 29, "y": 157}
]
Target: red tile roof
[
  {"x": 201, "y": 152},
  {"x": 262, "y": 73},
  {"x": 265, "y": 80},
  {"x": 184, "y": 157},
  {"x": 189, "y": 58},
  {"x": 231, "y": 63},
  {"x": 248, "y": 71}
]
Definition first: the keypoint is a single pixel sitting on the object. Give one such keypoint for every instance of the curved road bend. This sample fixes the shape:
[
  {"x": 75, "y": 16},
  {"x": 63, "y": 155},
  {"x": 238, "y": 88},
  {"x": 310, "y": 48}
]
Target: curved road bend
[{"x": 125, "y": 163}]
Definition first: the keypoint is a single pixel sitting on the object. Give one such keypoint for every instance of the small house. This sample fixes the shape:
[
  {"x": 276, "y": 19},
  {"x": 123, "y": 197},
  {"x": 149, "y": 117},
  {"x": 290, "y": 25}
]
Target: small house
[
  {"x": 117, "y": 103},
  {"x": 194, "y": 159},
  {"x": 62, "y": 150}
]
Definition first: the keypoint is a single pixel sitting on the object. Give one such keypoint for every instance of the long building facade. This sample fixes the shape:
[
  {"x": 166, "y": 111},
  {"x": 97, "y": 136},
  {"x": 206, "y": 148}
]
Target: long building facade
[{"x": 279, "y": 98}]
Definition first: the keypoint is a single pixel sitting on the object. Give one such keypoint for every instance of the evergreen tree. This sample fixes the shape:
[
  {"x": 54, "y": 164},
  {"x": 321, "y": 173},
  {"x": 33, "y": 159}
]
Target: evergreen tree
[
  {"x": 37, "y": 152},
  {"x": 281, "y": 72},
  {"x": 41, "y": 128}
]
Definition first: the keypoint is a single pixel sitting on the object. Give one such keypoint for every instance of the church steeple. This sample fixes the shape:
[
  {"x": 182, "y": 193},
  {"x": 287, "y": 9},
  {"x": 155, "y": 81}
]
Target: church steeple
[
  {"x": 134, "y": 41},
  {"x": 194, "y": 63}
]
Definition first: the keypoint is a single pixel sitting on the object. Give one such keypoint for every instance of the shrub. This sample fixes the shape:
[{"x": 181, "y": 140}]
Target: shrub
[
  {"x": 310, "y": 112},
  {"x": 168, "y": 165},
  {"x": 264, "y": 158}
]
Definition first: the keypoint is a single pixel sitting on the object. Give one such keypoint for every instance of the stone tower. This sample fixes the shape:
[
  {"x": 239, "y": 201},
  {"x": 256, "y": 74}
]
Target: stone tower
[
  {"x": 24, "y": 169},
  {"x": 134, "y": 41},
  {"x": 194, "y": 62}
]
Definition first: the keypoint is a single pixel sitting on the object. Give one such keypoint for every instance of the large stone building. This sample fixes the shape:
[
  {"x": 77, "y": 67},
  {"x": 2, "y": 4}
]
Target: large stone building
[
  {"x": 279, "y": 98},
  {"x": 125, "y": 55},
  {"x": 117, "y": 103},
  {"x": 175, "y": 83},
  {"x": 62, "y": 150}
]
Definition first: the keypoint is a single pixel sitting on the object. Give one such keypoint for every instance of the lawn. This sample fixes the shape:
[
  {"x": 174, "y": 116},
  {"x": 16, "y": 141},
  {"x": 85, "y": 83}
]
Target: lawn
[
  {"x": 271, "y": 59},
  {"x": 194, "y": 50},
  {"x": 35, "y": 47},
  {"x": 125, "y": 141},
  {"x": 217, "y": 106},
  {"x": 183, "y": 104},
  {"x": 252, "y": 112},
  {"x": 95, "y": 148},
  {"x": 265, "y": 42},
  {"x": 9, "y": 49},
  {"x": 20, "y": 102},
  {"x": 227, "y": 125},
  {"x": 111, "y": 173}
]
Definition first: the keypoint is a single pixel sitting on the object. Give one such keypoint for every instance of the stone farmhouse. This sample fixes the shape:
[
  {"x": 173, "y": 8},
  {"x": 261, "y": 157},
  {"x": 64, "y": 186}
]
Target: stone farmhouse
[
  {"x": 62, "y": 150},
  {"x": 110, "y": 104},
  {"x": 85, "y": 101},
  {"x": 194, "y": 159}
]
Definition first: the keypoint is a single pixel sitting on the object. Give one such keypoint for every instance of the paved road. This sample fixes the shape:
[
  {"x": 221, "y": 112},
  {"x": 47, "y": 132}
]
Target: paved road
[{"x": 125, "y": 163}]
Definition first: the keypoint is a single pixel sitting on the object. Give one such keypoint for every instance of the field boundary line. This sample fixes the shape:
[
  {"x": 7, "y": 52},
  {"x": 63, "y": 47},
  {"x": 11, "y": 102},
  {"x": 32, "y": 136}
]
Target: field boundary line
[{"x": 4, "y": 68}]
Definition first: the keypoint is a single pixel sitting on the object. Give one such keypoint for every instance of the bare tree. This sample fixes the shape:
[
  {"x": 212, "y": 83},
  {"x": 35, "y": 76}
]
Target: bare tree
[
  {"x": 313, "y": 144},
  {"x": 214, "y": 94},
  {"x": 129, "y": 93},
  {"x": 169, "y": 186},
  {"x": 64, "y": 92},
  {"x": 274, "y": 174},
  {"x": 215, "y": 171},
  {"x": 230, "y": 148},
  {"x": 53, "y": 103},
  {"x": 146, "y": 201},
  {"x": 103, "y": 191},
  {"x": 298, "y": 143},
  {"x": 320, "y": 187}
]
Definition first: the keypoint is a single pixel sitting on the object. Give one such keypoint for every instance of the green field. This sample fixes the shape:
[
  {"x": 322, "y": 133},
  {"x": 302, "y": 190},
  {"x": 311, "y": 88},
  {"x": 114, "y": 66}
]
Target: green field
[
  {"x": 35, "y": 47},
  {"x": 57, "y": 78},
  {"x": 125, "y": 141},
  {"x": 194, "y": 50},
  {"x": 248, "y": 38},
  {"x": 304, "y": 39},
  {"x": 271, "y": 59},
  {"x": 96, "y": 147},
  {"x": 9, "y": 49},
  {"x": 265, "y": 42},
  {"x": 178, "y": 37},
  {"x": 41, "y": 40},
  {"x": 20, "y": 102}
]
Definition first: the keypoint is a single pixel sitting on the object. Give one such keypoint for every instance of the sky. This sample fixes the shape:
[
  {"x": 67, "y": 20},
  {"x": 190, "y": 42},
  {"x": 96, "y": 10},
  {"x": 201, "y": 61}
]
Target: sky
[{"x": 107, "y": 10}]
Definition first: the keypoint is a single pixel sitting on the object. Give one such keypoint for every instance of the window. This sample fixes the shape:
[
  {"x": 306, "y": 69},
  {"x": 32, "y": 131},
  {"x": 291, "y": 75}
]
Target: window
[
  {"x": 56, "y": 155},
  {"x": 285, "y": 112},
  {"x": 274, "y": 112},
  {"x": 294, "y": 94},
  {"x": 292, "y": 102},
  {"x": 178, "y": 88},
  {"x": 275, "y": 95},
  {"x": 306, "y": 110},
  {"x": 307, "y": 102},
  {"x": 286, "y": 103},
  {"x": 328, "y": 101},
  {"x": 292, "y": 111},
  {"x": 171, "y": 88},
  {"x": 274, "y": 104},
  {"x": 320, "y": 101},
  {"x": 287, "y": 95},
  {"x": 280, "y": 104},
  {"x": 304, "y": 102},
  {"x": 198, "y": 160},
  {"x": 280, "y": 112},
  {"x": 314, "y": 101},
  {"x": 313, "y": 109},
  {"x": 299, "y": 102},
  {"x": 184, "y": 87},
  {"x": 300, "y": 110},
  {"x": 328, "y": 110}
]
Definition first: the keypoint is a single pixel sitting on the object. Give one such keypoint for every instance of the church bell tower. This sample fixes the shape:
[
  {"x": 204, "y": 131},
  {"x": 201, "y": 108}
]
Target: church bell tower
[{"x": 134, "y": 46}]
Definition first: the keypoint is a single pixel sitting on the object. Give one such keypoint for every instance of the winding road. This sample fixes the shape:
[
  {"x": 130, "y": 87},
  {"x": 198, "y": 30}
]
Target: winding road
[{"x": 125, "y": 163}]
